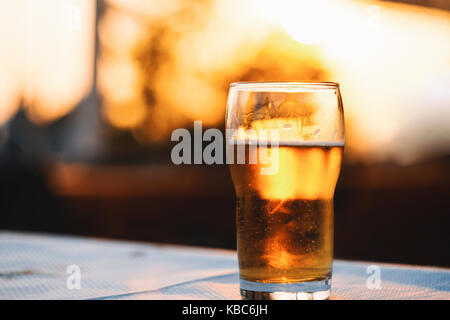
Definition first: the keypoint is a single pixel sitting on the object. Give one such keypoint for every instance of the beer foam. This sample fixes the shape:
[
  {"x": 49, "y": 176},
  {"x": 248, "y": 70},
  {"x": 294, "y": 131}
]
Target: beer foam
[{"x": 287, "y": 143}]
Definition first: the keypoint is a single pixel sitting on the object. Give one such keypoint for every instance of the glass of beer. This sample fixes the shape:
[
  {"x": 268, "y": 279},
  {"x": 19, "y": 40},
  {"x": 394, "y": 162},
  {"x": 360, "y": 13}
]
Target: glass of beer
[{"x": 284, "y": 146}]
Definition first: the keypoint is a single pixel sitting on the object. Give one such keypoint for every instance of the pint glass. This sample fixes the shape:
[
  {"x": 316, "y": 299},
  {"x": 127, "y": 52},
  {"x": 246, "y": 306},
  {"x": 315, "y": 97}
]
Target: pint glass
[{"x": 284, "y": 147}]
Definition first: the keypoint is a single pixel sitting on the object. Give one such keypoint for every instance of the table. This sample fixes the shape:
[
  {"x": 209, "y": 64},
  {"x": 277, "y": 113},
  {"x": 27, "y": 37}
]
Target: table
[{"x": 42, "y": 266}]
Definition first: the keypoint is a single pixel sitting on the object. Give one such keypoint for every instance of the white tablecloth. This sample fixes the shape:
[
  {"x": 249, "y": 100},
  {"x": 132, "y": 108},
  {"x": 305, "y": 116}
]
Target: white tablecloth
[{"x": 35, "y": 266}]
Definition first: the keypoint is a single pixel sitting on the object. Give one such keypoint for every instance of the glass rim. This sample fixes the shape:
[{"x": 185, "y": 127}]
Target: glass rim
[{"x": 286, "y": 85}]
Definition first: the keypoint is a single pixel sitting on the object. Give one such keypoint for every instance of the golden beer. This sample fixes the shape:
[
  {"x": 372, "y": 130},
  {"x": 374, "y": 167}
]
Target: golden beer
[
  {"x": 285, "y": 143},
  {"x": 285, "y": 220}
]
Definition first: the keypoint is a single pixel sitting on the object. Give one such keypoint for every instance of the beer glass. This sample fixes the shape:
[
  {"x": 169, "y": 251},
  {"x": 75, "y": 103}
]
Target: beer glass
[{"x": 284, "y": 147}]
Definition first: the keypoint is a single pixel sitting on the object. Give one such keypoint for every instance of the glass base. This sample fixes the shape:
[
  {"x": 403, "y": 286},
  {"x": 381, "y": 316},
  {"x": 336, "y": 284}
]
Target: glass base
[{"x": 311, "y": 290}]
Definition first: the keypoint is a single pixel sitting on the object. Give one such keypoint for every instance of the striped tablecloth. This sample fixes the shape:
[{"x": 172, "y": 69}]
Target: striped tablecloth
[{"x": 40, "y": 266}]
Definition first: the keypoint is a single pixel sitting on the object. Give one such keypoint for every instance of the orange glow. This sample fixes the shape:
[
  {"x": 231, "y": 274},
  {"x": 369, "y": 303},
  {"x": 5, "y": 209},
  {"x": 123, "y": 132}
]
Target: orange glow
[
  {"x": 303, "y": 173},
  {"x": 11, "y": 58},
  {"x": 9, "y": 97},
  {"x": 186, "y": 56},
  {"x": 125, "y": 116},
  {"x": 48, "y": 56},
  {"x": 120, "y": 78},
  {"x": 192, "y": 98},
  {"x": 392, "y": 61},
  {"x": 170, "y": 63},
  {"x": 276, "y": 255},
  {"x": 307, "y": 22},
  {"x": 60, "y": 49},
  {"x": 120, "y": 32},
  {"x": 306, "y": 163}
]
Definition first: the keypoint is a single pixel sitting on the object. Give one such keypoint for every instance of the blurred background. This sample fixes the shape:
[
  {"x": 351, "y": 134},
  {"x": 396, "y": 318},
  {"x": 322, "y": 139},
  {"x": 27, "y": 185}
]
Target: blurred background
[{"x": 90, "y": 92}]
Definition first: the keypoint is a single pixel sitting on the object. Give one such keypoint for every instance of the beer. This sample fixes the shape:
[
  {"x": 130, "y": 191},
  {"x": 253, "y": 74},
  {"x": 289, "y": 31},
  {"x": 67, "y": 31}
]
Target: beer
[
  {"x": 285, "y": 219},
  {"x": 284, "y": 146}
]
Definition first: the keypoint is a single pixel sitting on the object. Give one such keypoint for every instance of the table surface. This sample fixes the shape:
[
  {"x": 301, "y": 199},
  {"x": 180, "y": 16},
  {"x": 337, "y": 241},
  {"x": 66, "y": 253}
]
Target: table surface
[{"x": 41, "y": 266}]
